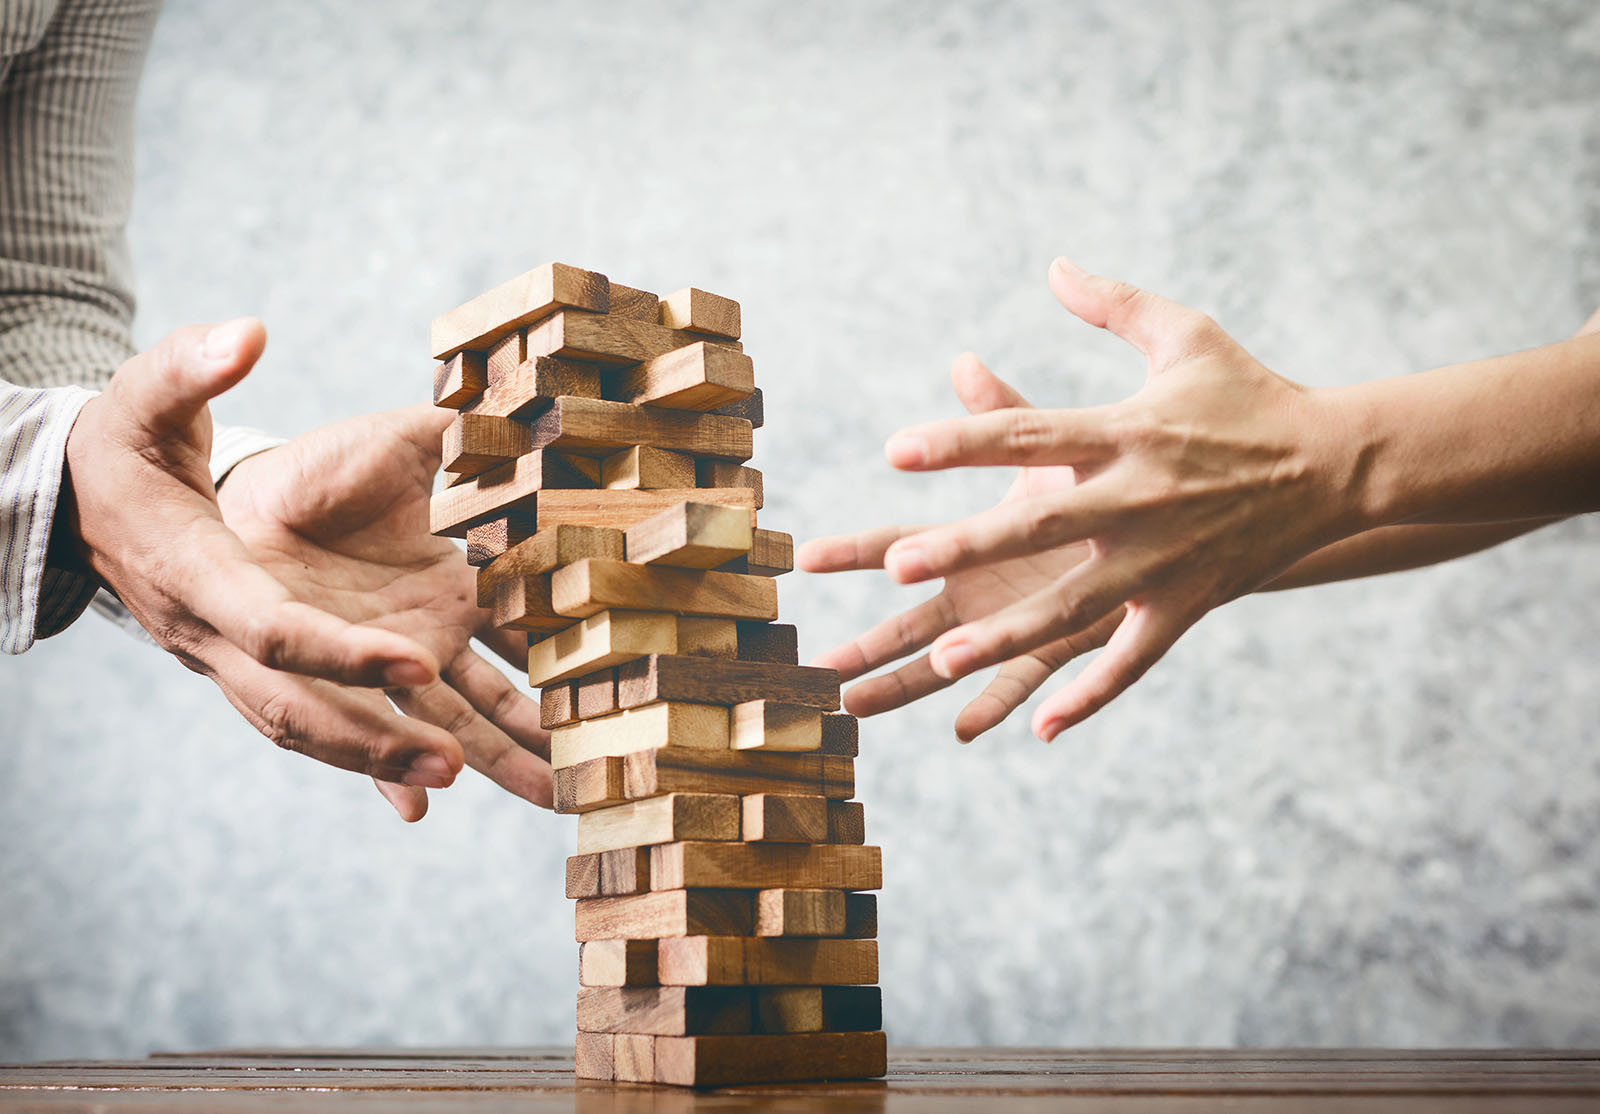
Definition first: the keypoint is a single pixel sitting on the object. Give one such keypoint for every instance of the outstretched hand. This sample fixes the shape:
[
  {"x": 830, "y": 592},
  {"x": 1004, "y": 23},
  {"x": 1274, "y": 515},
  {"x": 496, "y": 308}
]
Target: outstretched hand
[
  {"x": 310, "y": 591},
  {"x": 1207, "y": 483}
]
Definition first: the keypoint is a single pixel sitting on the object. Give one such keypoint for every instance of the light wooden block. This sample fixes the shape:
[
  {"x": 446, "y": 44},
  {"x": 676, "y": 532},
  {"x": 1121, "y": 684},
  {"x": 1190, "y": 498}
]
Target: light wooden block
[
  {"x": 621, "y": 508},
  {"x": 700, "y": 377},
  {"x": 784, "y": 818},
  {"x": 518, "y": 302},
  {"x": 634, "y": 1056},
  {"x": 690, "y": 308},
  {"x": 791, "y": 912},
  {"x": 598, "y": 427},
  {"x": 460, "y": 379},
  {"x": 510, "y": 488},
  {"x": 771, "y": 552},
  {"x": 616, "y": 873},
  {"x": 474, "y": 443},
  {"x": 665, "y": 1010},
  {"x": 761, "y": 866},
  {"x": 726, "y": 1060},
  {"x": 612, "y": 780},
  {"x": 690, "y": 536},
  {"x": 814, "y": 1009},
  {"x": 676, "y": 816},
  {"x": 646, "y": 467},
  {"x": 708, "y": 638},
  {"x": 617, "y": 963},
  {"x": 769, "y": 725},
  {"x": 506, "y": 355},
  {"x": 523, "y": 603},
  {"x": 533, "y": 385},
  {"x": 646, "y": 728},
  {"x": 592, "y": 1056},
  {"x": 607, "y": 339},
  {"x": 765, "y": 961},
  {"x": 665, "y": 913},
  {"x": 640, "y": 305},
  {"x": 595, "y": 584},
  {"x": 708, "y": 680},
  {"x": 608, "y": 638},
  {"x": 546, "y": 550}
]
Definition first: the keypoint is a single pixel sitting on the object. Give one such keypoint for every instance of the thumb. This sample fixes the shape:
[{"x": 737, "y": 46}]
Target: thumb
[
  {"x": 981, "y": 390},
  {"x": 1164, "y": 331},
  {"x": 166, "y": 388}
]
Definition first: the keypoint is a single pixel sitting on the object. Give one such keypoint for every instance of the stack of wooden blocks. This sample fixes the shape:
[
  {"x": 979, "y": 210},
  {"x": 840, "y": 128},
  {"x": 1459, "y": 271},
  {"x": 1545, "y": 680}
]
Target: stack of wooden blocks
[{"x": 596, "y": 470}]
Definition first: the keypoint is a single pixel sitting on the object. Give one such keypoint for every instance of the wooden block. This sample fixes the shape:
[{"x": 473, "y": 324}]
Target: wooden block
[
  {"x": 597, "y": 693},
  {"x": 597, "y": 427},
  {"x": 643, "y": 466},
  {"x": 591, "y": 467},
  {"x": 533, "y": 385},
  {"x": 640, "y": 305},
  {"x": 474, "y": 443},
  {"x": 723, "y": 473},
  {"x": 546, "y": 550},
  {"x": 520, "y": 301},
  {"x": 761, "y": 866},
  {"x": 644, "y": 728},
  {"x": 750, "y": 409},
  {"x": 523, "y": 603},
  {"x": 784, "y": 818},
  {"x": 592, "y": 1056},
  {"x": 690, "y": 536},
  {"x": 459, "y": 380},
  {"x": 595, "y": 584},
  {"x": 709, "y": 638},
  {"x": 690, "y": 308},
  {"x": 813, "y": 1009},
  {"x": 765, "y": 961},
  {"x": 511, "y": 488},
  {"x": 621, "y": 507},
  {"x": 700, "y": 377},
  {"x": 861, "y": 916},
  {"x": 771, "y": 553},
  {"x": 792, "y": 912},
  {"x": 609, "y": 638},
  {"x": 617, "y": 963},
  {"x": 607, "y": 339},
  {"x": 558, "y": 704},
  {"x": 665, "y": 913},
  {"x": 725, "y": 1059},
  {"x": 847, "y": 822},
  {"x": 841, "y": 735},
  {"x": 714, "y": 681},
  {"x": 676, "y": 816},
  {"x": 489, "y": 540},
  {"x": 775, "y": 643},
  {"x": 769, "y": 725},
  {"x": 615, "y": 873},
  {"x": 635, "y": 1058},
  {"x": 506, "y": 355},
  {"x": 602, "y": 782},
  {"x": 664, "y": 1010}
]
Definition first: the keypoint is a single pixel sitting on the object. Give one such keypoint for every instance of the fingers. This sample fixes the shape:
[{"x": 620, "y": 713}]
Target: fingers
[
  {"x": 166, "y": 388},
  {"x": 911, "y": 681},
  {"x": 1019, "y": 435},
  {"x": 1011, "y": 529},
  {"x": 848, "y": 552},
  {"x": 1164, "y": 331},
  {"x": 352, "y": 729},
  {"x": 1148, "y": 632},
  {"x": 1019, "y": 678},
  {"x": 981, "y": 390},
  {"x": 891, "y": 639},
  {"x": 500, "y": 702},
  {"x": 411, "y": 802}
]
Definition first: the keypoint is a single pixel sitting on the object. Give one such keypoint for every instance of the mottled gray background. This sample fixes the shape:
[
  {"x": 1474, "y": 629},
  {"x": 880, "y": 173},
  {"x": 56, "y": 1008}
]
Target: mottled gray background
[{"x": 1364, "y": 814}]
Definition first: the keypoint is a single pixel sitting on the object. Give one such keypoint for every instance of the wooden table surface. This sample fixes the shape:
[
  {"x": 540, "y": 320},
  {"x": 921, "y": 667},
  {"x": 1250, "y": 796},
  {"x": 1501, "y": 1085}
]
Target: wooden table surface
[{"x": 921, "y": 1080}]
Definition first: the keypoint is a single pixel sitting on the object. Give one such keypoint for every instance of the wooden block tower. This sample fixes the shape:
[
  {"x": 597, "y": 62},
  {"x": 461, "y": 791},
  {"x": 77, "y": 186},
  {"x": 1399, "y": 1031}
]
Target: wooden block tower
[{"x": 596, "y": 470}]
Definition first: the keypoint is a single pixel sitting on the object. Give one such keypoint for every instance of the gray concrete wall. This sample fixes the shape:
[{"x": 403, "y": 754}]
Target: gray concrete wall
[{"x": 1364, "y": 814}]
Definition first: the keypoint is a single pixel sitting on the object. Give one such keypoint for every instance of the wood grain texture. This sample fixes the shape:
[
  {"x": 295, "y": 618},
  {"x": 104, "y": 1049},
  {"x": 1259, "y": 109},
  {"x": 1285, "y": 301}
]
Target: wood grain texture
[
  {"x": 699, "y": 636},
  {"x": 647, "y": 467},
  {"x": 474, "y": 443},
  {"x": 635, "y": 1061},
  {"x": 592, "y": 1056},
  {"x": 784, "y": 818},
  {"x": 752, "y": 409},
  {"x": 765, "y": 961},
  {"x": 820, "y": 866},
  {"x": 797, "y": 912},
  {"x": 665, "y": 1010},
  {"x": 771, "y": 725},
  {"x": 607, "y": 339},
  {"x": 596, "y": 693},
  {"x": 692, "y": 308},
  {"x": 690, "y": 535},
  {"x": 771, "y": 552},
  {"x": 861, "y": 916},
  {"x": 625, "y": 870},
  {"x": 621, "y": 508},
  {"x": 511, "y": 488},
  {"x": 617, "y": 963},
  {"x": 639, "y": 305},
  {"x": 675, "y": 816},
  {"x": 841, "y": 735},
  {"x": 489, "y": 540},
  {"x": 600, "y": 783},
  {"x": 459, "y": 380},
  {"x": 710, "y": 1061},
  {"x": 644, "y": 728},
  {"x": 698, "y": 377},
  {"x": 595, "y": 584},
  {"x": 546, "y": 550},
  {"x": 606, "y": 639},
  {"x": 665, "y": 913},
  {"x": 558, "y": 704},
  {"x": 847, "y": 822},
  {"x": 533, "y": 385},
  {"x": 598, "y": 427},
  {"x": 720, "y": 681},
  {"x": 523, "y": 604},
  {"x": 515, "y": 303},
  {"x": 506, "y": 355},
  {"x": 725, "y": 473},
  {"x": 815, "y": 1009},
  {"x": 774, "y": 643}
]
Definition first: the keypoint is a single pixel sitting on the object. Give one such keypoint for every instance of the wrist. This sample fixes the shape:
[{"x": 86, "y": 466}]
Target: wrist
[{"x": 1356, "y": 450}]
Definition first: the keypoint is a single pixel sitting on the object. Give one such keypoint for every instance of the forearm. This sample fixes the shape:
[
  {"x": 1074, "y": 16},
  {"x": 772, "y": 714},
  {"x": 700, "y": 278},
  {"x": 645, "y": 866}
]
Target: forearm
[
  {"x": 1398, "y": 548},
  {"x": 1511, "y": 438}
]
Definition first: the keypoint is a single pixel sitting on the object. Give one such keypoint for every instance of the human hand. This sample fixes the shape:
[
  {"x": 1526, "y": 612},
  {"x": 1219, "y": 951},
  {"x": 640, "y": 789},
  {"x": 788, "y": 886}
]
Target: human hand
[
  {"x": 967, "y": 595},
  {"x": 1207, "y": 483}
]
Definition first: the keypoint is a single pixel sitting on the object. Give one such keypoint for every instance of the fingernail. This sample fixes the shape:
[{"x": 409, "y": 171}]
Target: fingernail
[
  {"x": 1051, "y": 729},
  {"x": 404, "y": 674},
  {"x": 430, "y": 771},
  {"x": 955, "y": 659},
  {"x": 224, "y": 341},
  {"x": 908, "y": 563},
  {"x": 1067, "y": 266},
  {"x": 907, "y": 450}
]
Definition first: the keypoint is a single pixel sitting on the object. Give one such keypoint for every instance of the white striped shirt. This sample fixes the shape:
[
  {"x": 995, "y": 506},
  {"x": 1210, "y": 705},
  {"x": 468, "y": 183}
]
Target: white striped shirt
[{"x": 69, "y": 73}]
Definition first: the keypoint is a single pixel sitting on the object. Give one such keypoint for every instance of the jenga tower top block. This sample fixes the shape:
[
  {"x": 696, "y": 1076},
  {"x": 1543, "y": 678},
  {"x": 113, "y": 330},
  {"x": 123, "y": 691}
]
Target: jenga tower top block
[{"x": 521, "y": 301}]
